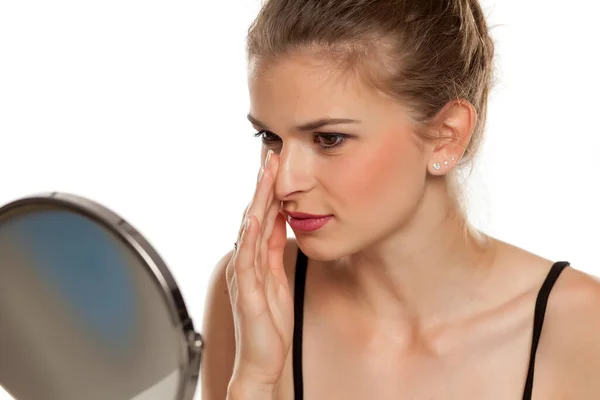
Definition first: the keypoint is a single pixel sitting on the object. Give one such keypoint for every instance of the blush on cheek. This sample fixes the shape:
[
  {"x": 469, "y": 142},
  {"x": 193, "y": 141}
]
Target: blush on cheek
[
  {"x": 380, "y": 178},
  {"x": 366, "y": 177}
]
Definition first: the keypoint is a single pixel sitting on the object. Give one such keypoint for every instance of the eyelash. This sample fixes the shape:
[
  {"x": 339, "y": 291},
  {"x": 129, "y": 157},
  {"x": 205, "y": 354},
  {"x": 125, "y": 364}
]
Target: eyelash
[{"x": 341, "y": 138}]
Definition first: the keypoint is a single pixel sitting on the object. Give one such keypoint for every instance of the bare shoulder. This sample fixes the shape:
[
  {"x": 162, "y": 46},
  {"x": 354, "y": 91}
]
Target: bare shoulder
[
  {"x": 571, "y": 333},
  {"x": 217, "y": 331}
]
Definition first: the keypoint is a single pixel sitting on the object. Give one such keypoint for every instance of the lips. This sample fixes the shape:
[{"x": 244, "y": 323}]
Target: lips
[
  {"x": 307, "y": 222},
  {"x": 301, "y": 215}
]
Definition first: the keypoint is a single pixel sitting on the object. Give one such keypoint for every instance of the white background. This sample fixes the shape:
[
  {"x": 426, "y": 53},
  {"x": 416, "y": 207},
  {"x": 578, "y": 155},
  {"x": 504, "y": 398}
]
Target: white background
[{"x": 141, "y": 105}]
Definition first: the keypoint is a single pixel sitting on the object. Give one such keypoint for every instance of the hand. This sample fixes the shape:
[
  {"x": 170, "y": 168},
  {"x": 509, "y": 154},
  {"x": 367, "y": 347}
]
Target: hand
[{"x": 259, "y": 291}]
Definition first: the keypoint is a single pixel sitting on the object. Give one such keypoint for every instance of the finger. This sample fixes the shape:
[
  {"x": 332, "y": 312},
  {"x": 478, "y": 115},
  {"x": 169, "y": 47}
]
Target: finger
[
  {"x": 243, "y": 260},
  {"x": 232, "y": 290},
  {"x": 229, "y": 269},
  {"x": 254, "y": 208},
  {"x": 242, "y": 224},
  {"x": 261, "y": 196},
  {"x": 264, "y": 247},
  {"x": 259, "y": 206},
  {"x": 259, "y": 255},
  {"x": 278, "y": 239},
  {"x": 277, "y": 243}
]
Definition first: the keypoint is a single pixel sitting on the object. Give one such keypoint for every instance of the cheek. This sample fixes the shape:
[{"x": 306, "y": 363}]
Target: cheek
[{"x": 382, "y": 176}]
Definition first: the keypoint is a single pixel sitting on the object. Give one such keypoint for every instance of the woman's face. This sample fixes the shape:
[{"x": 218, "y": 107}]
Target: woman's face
[{"x": 369, "y": 174}]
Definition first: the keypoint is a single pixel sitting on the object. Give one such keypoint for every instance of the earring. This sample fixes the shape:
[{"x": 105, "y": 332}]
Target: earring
[
  {"x": 445, "y": 162},
  {"x": 436, "y": 166},
  {"x": 453, "y": 158}
]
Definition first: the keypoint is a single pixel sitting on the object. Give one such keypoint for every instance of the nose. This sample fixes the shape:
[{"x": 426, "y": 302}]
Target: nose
[{"x": 295, "y": 172}]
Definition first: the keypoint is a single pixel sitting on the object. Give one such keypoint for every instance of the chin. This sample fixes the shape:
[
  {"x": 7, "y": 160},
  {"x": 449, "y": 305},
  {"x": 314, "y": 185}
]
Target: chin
[{"x": 319, "y": 249}]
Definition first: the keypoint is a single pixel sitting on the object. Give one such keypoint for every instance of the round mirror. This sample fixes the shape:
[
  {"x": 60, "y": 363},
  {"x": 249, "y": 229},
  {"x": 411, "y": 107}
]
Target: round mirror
[{"x": 88, "y": 310}]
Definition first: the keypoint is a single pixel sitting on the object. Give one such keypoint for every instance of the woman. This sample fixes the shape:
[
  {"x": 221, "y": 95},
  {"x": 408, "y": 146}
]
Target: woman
[{"x": 369, "y": 111}]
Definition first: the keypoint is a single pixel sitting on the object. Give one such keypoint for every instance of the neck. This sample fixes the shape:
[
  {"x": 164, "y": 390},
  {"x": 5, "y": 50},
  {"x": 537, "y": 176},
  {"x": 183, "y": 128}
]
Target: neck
[{"x": 425, "y": 274}]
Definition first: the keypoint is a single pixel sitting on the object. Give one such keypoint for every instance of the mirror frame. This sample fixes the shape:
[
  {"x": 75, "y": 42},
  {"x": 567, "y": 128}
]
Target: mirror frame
[{"x": 191, "y": 342}]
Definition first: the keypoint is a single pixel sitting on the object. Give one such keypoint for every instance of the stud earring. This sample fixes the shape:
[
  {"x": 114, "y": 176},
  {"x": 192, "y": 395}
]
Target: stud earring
[
  {"x": 445, "y": 162},
  {"x": 436, "y": 166},
  {"x": 453, "y": 158}
]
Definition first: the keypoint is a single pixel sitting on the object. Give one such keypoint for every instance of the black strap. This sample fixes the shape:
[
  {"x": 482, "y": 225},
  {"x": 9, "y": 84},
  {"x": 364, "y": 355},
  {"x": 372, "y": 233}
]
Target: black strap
[
  {"x": 538, "y": 320},
  {"x": 299, "y": 284}
]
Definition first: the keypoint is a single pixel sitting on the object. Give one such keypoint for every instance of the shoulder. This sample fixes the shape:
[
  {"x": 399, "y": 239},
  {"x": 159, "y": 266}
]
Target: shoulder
[
  {"x": 218, "y": 356},
  {"x": 572, "y": 333},
  {"x": 218, "y": 334}
]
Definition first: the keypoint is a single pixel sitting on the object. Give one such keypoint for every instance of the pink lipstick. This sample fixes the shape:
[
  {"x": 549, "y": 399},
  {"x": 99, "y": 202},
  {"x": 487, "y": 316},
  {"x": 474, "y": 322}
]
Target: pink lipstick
[{"x": 306, "y": 222}]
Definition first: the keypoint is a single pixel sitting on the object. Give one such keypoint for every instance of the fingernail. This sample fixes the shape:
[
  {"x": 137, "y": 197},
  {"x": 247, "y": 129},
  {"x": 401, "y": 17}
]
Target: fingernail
[
  {"x": 268, "y": 158},
  {"x": 246, "y": 223}
]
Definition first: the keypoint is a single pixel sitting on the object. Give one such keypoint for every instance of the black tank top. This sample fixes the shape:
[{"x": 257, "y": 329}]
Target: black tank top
[{"x": 300, "y": 283}]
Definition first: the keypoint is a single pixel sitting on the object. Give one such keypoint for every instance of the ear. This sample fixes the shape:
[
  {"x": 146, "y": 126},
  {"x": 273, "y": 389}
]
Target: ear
[{"x": 453, "y": 126}]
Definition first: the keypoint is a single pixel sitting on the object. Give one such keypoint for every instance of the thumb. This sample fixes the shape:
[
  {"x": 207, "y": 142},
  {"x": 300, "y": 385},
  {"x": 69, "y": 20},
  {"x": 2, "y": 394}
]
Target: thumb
[{"x": 278, "y": 238}]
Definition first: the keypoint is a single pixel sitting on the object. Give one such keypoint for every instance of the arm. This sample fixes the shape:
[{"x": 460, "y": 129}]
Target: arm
[{"x": 218, "y": 355}]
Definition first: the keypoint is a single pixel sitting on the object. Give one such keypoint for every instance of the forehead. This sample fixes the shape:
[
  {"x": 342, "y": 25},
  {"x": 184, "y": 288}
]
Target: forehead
[{"x": 301, "y": 86}]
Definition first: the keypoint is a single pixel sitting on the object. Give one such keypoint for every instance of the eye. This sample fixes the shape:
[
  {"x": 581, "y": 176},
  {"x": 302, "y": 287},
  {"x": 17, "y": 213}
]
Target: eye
[
  {"x": 326, "y": 141},
  {"x": 267, "y": 137},
  {"x": 330, "y": 140}
]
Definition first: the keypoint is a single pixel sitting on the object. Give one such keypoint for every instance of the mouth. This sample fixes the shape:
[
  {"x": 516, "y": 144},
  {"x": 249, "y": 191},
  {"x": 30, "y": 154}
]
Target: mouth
[{"x": 306, "y": 222}]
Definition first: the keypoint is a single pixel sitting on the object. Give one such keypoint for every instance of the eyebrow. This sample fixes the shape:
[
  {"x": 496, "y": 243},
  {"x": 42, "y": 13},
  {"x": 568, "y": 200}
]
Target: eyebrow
[{"x": 309, "y": 126}]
